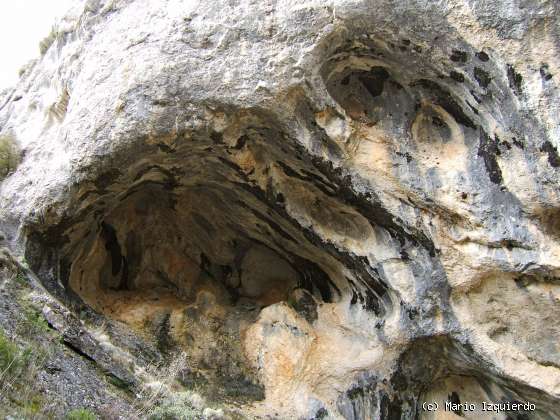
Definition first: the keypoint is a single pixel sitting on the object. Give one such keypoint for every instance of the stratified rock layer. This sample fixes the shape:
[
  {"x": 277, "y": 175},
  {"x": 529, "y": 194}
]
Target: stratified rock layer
[{"x": 353, "y": 204}]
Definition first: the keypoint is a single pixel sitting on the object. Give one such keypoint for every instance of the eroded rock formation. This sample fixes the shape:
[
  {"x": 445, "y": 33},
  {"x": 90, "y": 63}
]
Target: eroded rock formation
[{"x": 351, "y": 206}]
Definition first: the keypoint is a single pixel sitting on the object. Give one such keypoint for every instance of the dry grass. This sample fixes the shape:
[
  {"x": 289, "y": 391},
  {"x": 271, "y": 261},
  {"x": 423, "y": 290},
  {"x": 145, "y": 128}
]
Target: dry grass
[
  {"x": 10, "y": 156},
  {"x": 46, "y": 42},
  {"x": 160, "y": 380},
  {"x": 163, "y": 398}
]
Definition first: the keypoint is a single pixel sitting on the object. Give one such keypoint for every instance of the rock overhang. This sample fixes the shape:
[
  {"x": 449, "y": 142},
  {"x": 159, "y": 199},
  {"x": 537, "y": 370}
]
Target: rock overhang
[{"x": 385, "y": 142}]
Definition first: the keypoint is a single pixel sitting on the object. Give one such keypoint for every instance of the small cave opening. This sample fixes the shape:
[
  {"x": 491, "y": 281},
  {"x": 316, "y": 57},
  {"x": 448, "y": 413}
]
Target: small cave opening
[
  {"x": 453, "y": 376},
  {"x": 368, "y": 93},
  {"x": 377, "y": 87},
  {"x": 397, "y": 105}
]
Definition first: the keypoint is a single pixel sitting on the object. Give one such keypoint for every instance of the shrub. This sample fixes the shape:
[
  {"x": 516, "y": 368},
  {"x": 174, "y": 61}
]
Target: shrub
[
  {"x": 20, "y": 280},
  {"x": 174, "y": 413},
  {"x": 175, "y": 407},
  {"x": 32, "y": 323},
  {"x": 19, "y": 366},
  {"x": 81, "y": 414},
  {"x": 9, "y": 156},
  {"x": 11, "y": 357}
]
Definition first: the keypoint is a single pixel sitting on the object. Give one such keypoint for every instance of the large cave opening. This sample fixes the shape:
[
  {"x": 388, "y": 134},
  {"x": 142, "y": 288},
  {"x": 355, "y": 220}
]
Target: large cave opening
[
  {"x": 176, "y": 246},
  {"x": 188, "y": 268},
  {"x": 187, "y": 240}
]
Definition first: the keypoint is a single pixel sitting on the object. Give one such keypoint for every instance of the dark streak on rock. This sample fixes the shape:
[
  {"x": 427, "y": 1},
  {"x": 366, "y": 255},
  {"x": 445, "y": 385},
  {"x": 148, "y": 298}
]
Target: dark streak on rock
[
  {"x": 482, "y": 56},
  {"x": 216, "y": 137},
  {"x": 369, "y": 206},
  {"x": 545, "y": 73},
  {"x": 305, "y": 305},
  {"x": 233, "y": 166},
  {"x": 71, "y": 346},
  {"x": 515, "y": 80},
  {"x": 273, "y": 225},
  {"x": 321, "y": 414},
  {"x": 65, "y": 267},
  {"x": 482, "y": 77},
  {"x": 112, "y": 245},
  {"x": 473, "y": 108},
  {"x": 106, "y": 179},
  {"x": 309, "y": 177},
  {"x": 475, "y": 96},
  {"x": 443, "y": 98},
  {"x": 374, "y": 80},
  {"x": 165, "y": 148},
  {"x": 118, "y": 261},
  {"x": 354, "y": 403},
  {"x": 204, "y": 224},
  {"x": 458, "y": 77},
  {"x": 488, "y": 150},
  {"x": 553, "y": 157},
  {"x": 162, "y": 333},
  {"x": 133, "y": 247},
  {"x": 518, "y": 143},
  {"x": 454, "y": 399},
  {"x": 313, "y": 275},
  {"x": 241, "y": 141},
  {"x": 458, "y": 56},
  {"x": 390, "y": 409},
  {"x": 405, "y": 155}
]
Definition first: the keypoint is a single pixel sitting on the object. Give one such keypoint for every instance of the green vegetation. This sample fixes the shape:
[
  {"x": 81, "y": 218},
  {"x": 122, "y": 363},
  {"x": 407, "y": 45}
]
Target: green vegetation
[
  {"x": 23, "y": 353},
  {"x": 19, "y": 366},
  {"x": 30, "y": 351},
  {"x": 9, "y": 156},
  {"x": 81, "y": 414},
  {"x": 20, "y": 279},
  {"x": 33, "y": 323},
  {"x": 177, "y": 406},
  {"x": 12, "y": 359}
]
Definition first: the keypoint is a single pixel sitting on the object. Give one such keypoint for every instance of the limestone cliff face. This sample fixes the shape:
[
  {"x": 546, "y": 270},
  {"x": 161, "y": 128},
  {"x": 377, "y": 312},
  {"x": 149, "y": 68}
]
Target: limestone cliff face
[{"x": 353, "y": 204}]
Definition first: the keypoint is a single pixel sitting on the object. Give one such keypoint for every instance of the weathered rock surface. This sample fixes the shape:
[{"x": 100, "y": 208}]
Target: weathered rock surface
[{"x": 353, "y": 204}]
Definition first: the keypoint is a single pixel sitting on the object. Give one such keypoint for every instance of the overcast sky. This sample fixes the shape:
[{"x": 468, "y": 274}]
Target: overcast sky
[{"x": 23, "y": 23}]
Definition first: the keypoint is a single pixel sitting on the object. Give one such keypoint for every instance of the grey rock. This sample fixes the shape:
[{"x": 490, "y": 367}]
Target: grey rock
[{"x": 398, "y": 160}]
